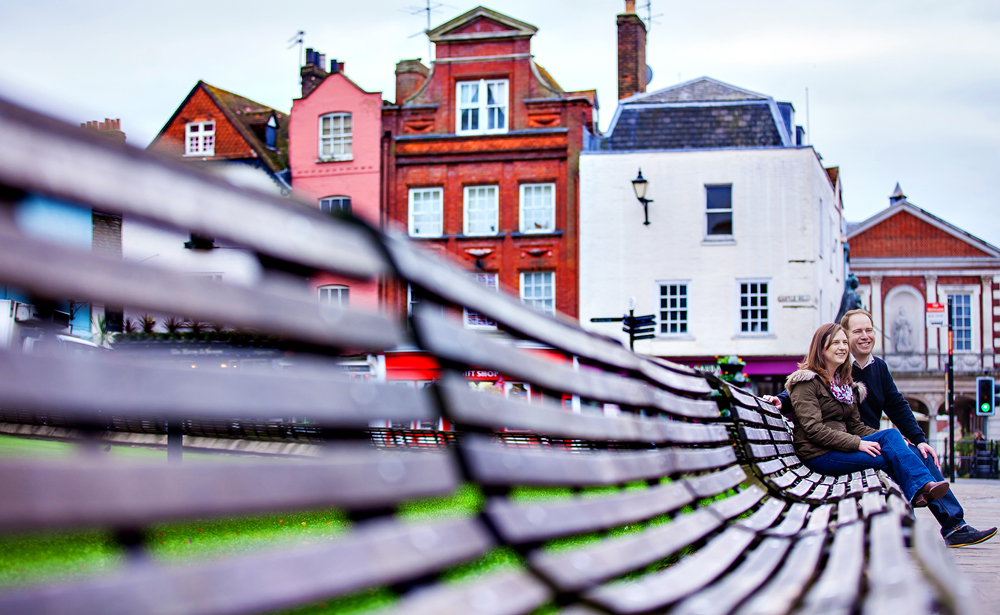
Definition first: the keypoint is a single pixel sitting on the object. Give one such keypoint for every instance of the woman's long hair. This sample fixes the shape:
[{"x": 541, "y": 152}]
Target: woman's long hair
[{"x": 816, "y": 361}]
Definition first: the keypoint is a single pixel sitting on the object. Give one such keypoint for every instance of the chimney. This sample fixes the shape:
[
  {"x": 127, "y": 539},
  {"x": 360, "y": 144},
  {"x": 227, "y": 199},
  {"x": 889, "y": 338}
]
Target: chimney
[
  {"x": 109, "y": 128},
  {"x": 312, "y": 73},
  {"x": 334, "y": 66},
  {"x": 631, "y": 52},
  {"x": 410, "y": 75}
]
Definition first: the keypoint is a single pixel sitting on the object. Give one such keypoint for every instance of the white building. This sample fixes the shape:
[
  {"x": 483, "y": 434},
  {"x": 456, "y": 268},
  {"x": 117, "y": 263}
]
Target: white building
[{"x": 743, "y": 253}]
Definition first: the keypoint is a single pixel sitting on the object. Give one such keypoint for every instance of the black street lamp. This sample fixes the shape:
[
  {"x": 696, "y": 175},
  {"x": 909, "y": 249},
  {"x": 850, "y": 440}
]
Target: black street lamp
[{"x": 639, "y": 184}]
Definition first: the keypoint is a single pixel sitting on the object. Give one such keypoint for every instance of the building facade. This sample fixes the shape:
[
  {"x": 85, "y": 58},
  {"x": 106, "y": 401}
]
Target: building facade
[
  {"x": 905, "y": 258},
  {"x": 481, "y": 161},
  {"x": 743, "y": 253},
  {"x": 334, "y": 153}
]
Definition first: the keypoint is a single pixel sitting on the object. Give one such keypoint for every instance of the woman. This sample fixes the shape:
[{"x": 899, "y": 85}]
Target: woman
[{"x": 830, "y": 437}]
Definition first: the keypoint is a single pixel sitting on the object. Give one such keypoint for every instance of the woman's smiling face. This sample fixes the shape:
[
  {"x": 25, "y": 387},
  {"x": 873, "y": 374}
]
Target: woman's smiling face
[{"x": 837, "y": 350}]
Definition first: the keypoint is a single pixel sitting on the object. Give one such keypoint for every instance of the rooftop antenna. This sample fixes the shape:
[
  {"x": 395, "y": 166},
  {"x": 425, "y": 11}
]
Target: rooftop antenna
[
  {"x": 650, "y": 18},
  {"x": 298, "y": 39},
  {"x": 428, "y": 9}
]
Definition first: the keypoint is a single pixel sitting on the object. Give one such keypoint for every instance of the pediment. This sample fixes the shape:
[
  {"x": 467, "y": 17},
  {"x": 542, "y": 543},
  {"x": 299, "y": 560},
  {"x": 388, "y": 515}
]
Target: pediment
[
  {"x": 906, "y": 231},
  {"x": 702, "y": 89},
  {"x": 481, "y": 23}
]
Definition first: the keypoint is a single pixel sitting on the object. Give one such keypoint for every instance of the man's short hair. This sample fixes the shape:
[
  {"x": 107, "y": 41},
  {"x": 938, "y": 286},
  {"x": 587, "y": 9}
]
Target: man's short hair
[{"x": 847, "y": 318}]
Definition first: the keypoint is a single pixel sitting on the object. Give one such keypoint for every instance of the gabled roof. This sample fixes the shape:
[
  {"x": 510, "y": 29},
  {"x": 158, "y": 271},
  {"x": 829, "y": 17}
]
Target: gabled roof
[
  {"x": 943, "y": 228},
  {"x": 702, "y": 89},
  {"x": 480, "y": 23},
  {"x": 245, "y": 116}
]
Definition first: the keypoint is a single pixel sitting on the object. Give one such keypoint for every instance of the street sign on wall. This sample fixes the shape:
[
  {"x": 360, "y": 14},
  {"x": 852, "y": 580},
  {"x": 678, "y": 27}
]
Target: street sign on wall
[{"x": 936, "y": 315}]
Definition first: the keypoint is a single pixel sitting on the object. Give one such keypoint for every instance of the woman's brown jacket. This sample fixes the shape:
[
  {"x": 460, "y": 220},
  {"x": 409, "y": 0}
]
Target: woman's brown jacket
[{"x": 823, "y": 423}]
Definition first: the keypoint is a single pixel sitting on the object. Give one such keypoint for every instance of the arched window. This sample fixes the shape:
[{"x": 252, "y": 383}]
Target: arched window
[
  {"x": 334, "y": 294},
  {"x": 330, "y": 204},
  {"x": 335, "y": 134}
]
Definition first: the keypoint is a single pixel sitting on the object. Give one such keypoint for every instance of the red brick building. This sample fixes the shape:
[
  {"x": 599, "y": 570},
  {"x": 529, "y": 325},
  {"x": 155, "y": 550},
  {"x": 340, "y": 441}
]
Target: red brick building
[
  {"x": 481, "y": 160},
  {"x": 905, "y": 258}
]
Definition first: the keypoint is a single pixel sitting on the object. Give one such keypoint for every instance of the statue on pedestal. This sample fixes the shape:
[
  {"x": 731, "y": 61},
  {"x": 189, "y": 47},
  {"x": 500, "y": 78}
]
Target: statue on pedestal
[{"x": 850, "y": 300}]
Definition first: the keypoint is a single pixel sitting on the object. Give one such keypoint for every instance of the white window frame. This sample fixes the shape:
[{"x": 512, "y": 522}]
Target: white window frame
[
  {"x": 491, "y": 281},
  {"x": 530, "y": 301},
  {"x": 975, "y": 299},
  {"x": 480, "y": 109},
  {"x": 551, "y": 217},
  {"x": 730, "y": 211},
  {"x": 328, "y": 206},
  {"x": 343, "y": 295},
  {"x": 770, "y": 320},
  {"x": 660, "y": 310},
  {"x": 203, "y": 141},
  {"x": 344, "y": 139},
  {"x": 491, "y": 225},
  {"x": 422, "y": 230}
]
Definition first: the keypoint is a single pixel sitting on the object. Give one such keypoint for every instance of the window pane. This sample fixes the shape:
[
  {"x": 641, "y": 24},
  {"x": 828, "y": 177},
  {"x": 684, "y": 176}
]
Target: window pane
[
  {"x": 537, "y": 208},
  {"x": 474, "y": 319},
  {"x": 720, "y": 224},
  {"x": 753, "y": 295},
  {"x": 538, "y": 290},
  {"x": 673, "y": 320},
  {"x": 425, "y": 212},
  {"x": 719, "y": 197},
  {"x": 481, "y": 210}
]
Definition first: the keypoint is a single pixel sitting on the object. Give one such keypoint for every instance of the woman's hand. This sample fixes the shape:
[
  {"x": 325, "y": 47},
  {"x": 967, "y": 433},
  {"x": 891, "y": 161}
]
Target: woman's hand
[
  {"x": 774, "y": 401},
  {"x": 872, "y": 448}
]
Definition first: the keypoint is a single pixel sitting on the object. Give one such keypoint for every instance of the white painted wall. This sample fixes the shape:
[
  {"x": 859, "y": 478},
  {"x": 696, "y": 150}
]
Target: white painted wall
[{"x": 776, "y": 228}]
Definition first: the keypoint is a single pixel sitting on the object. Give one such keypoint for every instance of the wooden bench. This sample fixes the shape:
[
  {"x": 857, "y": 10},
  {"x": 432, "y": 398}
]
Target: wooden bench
[{"x": 651, "y": 509}]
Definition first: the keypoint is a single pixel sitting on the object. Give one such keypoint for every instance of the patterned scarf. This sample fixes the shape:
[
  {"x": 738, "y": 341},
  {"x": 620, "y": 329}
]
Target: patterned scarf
[{"x": 843, "y": 392}]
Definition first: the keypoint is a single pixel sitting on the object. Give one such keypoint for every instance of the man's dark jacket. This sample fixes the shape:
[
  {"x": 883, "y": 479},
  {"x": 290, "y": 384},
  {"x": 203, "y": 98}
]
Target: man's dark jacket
[{"x": 883, "y": 396}]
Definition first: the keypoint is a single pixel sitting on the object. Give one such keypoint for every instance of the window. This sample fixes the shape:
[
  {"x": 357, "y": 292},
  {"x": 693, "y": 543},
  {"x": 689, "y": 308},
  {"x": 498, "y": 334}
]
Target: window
[
  {"x": 482, "y": 107},
  {"x": 271, "y": 133},
  {"x": 961, "y": 306},
  {"x": 719, "y": 208},
  {"x": 474, "y": 320},
  {"x": 538, "y": 290},
  {"x": 538, "y": 210},
  {"x": 335, "y": 136},
  {"x": 753, "y": 307},
  {"x": 334, "y": 295},
  {"x": 412, "y": 299},
  {"x": 331, "y": 204},
  {"x": 425, "y": 212},
  {"x": 673, "y": 308},
  {"x": 482, "y": 212},
  {"x": 199, "y": 139}
]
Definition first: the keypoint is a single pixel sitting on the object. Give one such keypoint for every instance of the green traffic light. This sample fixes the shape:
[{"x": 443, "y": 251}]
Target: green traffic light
[{"x": 985, "y": 407}]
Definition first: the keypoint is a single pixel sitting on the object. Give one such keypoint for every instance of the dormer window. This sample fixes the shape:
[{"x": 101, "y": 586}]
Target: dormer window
[
  {"x": 199, "y": 139},
  {"x": 335, "y": 137},
  {"x": 271, "y": 133},
  {"x": 482, "y": 107}
]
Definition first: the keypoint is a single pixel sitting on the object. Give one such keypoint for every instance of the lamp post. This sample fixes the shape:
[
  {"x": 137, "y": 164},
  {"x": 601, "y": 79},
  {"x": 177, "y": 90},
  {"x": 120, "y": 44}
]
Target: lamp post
[{"x": 639, "y": 184}]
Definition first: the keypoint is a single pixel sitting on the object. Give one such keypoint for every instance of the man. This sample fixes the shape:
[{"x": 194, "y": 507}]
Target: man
[{"x": 884, "y": 397}]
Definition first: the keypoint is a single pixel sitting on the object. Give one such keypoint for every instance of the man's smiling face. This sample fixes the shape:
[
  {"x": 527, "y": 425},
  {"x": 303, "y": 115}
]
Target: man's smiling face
[{"x": 861, "y": 335}]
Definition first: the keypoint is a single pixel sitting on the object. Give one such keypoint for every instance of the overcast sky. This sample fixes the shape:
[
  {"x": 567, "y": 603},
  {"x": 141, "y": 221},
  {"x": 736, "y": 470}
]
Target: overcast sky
[{"x": 898, "y": 90}]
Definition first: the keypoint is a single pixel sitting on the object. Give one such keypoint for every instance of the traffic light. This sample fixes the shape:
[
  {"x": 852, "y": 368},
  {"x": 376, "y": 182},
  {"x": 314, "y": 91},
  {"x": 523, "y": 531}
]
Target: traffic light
[{"x": 984, "y": 396}]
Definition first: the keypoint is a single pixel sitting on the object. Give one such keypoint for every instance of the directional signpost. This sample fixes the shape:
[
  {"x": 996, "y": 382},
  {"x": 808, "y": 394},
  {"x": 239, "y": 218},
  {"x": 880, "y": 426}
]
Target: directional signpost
[{"x": 637, "y": 327}]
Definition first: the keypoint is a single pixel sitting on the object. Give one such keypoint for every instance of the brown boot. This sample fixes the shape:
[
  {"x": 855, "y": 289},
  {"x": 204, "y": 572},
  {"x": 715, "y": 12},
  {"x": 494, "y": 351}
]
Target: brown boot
[{"x": 930, "y": 492}]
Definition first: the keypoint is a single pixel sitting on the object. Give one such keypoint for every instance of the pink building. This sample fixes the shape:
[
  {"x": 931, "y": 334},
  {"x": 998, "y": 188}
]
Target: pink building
[{"x": 334, "y": 132}]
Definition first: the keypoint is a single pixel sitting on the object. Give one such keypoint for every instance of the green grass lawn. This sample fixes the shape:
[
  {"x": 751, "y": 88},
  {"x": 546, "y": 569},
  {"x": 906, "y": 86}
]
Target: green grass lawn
[{"x": 37, "y": 558}]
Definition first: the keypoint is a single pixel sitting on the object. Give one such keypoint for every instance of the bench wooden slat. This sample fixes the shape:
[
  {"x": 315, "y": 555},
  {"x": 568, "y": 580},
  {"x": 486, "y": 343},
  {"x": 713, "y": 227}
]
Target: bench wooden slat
[
  {"x": 455, "y": 343},
  {"x": 818, "y": 494},
  {"x": 748, "y": 415},
  {"x": 691, "y": 574},
  {"x": 836, "y": 590},
  {"x": 761, "y": 451},
  {"x": 769, "y": 467},
  {"x": 97, "y": 388},
  {"x": 493, "y": 464},
  {"x": 379, "y": 553},
  {"x": 781, "y": 436},
  {"x": 954, "y": 590},
  {"x": 794, "y": 519},
  {"x": 872, "y": 502},
  {"x": 512, "y": 593},
  {"x": 530, "y": 523},
  {"x": 765, "y": 516},
  {"x": 737, "y": 505},
  {"x": 53, "y": 271},
  {"x": 716, "y": 482},
  {"x": 582, "y": 568},
  {"x": 435, "y": 277},
  {"x": 742, "y": 397},
  {"x": 847, "y": 511},
  {"x": 82, "y": 492},
  {"x": 838, "y": 490},
  {"x": 778, "y": 596},
  {"x": 783, "y": 480},
  {"x": 755, "y": 434},
  {"x": 801, "y": 488},
  {"x": 819, "y": 520},
  {"x": 93, "y": 170},
  {"x": 722, "y": 597},
  {"x": 474, "y": 408},
  {"x": 894, "y": 583}
]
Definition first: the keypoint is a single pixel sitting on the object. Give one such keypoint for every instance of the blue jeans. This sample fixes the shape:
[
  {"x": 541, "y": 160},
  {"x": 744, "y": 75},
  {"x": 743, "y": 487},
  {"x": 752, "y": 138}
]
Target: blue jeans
[
  {"x": 947, "y": 510},
  {"x": 898, "y": 461}
]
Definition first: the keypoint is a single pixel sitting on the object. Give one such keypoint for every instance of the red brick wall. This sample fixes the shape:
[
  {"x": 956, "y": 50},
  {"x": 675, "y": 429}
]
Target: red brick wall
[
  {"x": 888, "y": 283},
  {"x": 199, "y": 108},
  {"x": 631, "y": 55},
  {"x": 905, "y": 235}
]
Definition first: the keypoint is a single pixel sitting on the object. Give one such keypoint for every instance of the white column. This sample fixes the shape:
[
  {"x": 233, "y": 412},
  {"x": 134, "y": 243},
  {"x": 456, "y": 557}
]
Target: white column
[
  {"x": 933, "y": 358},
  {"x": 987, "y": 324},
  {"x": 876, "y": 300}
]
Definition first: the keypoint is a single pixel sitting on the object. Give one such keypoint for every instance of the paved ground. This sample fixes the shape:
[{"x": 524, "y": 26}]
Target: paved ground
[{"x": 981, "y": 500}]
